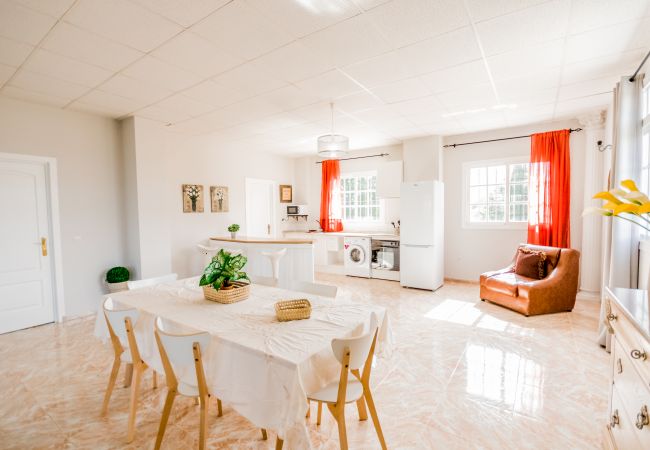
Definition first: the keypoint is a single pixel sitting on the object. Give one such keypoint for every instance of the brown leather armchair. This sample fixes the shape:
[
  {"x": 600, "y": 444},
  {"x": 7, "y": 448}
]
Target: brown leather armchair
[{"x": 554, "y": 293}]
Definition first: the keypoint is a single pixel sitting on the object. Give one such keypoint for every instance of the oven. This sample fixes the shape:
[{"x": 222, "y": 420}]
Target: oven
[{"x": 385, "y": 259}]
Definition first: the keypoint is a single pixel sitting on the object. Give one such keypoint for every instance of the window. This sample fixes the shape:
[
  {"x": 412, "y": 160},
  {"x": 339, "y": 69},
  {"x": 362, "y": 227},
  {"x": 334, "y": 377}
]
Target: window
[
  {"x": 496, "y": 193},
  {"x": 645, "y": 139},
  {"x": 359, "y": 197}
]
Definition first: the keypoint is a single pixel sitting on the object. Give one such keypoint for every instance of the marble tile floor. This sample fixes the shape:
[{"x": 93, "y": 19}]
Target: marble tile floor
[{"x": 463, "y": 374}]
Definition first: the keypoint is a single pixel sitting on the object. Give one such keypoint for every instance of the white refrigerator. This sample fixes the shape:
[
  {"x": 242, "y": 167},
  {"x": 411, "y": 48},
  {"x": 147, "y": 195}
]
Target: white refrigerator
[{"x": 422, "y": 234}]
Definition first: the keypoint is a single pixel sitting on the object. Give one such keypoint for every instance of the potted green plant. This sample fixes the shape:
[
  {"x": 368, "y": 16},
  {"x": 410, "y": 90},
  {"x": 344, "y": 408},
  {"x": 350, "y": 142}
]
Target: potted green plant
[
  {"x": 116, "y": 279},
  {"x": 224, "y": 273},
  {"x": 234, "y": 228}
]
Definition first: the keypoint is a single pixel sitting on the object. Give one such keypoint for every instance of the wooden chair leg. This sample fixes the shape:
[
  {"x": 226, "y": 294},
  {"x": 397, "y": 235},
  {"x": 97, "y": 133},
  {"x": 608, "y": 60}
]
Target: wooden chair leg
[
  {"x": 111, "y": 384},
  {"x": 196, "y": 400},
  {"x": 320, "y": 413},
  {"x": 135, "y": 389},
  {"x": 155, "y": 379},
  {"x": 128, "y": 375},
  {"x": 264, "y": 435},
  {"x": 203, "y": 426},
  {"x": 343, "y": 432},
  {"x": 169, "y": 401},
  {"x": 219, "y": 408},
  {"x": 278, "y": 443},
  {"x": 308, "y": 410},
  {"x": 375, "y": 418},
  {"x": 361, "y": 405}
]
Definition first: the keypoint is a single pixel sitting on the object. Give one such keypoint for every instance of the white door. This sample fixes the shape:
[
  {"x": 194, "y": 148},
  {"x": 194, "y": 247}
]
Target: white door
[
  {"x": 260, "y": 207},
  {"x": 26, "y": 297}
]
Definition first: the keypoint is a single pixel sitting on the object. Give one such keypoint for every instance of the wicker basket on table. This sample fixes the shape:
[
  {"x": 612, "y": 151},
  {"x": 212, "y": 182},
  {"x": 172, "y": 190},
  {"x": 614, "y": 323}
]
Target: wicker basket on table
[
  {"x": 297, "y": 309},
  {"x": 239, "y": 292}
]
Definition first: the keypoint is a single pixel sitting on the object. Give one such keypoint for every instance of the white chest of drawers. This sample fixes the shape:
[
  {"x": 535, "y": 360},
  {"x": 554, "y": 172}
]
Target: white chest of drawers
[{"x": 629, "y": 403}]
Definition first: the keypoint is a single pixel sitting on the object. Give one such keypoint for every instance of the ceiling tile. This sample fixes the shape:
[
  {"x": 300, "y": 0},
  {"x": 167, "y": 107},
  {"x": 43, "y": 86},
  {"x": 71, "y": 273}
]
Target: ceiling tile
[
  {"x": 402, "y": 90},
  {"x": 183, "y": 12},
  {"x": 82, "y": 45},
  {"x": 349, "y": 41},
  {"x": 330, "y": 85},
  {"x": 424, "y": 105},
  {"x": 542, "y": 79},
  {"x": 183, "y": 105},
  {"x": 532, "y": 114},
  {"x": 167, "y": 116},
  {"x": 196, "y": 54},
  {"x": 615, "y": 64},
  {"x": 215, "y": 94},
  {"x": 445, "y": 128},
  {"x": 138, "y": 90},
  {"x": 513, "y": 96},
  {"x": 290, "y": 97},
  {"x": 489, "y": 120},
  {"x": 123, "y": 22},
  {"x": 482, "y": 10},
  {"x": 457, "y": 77},
  {"x": 250, "y": 79},
  {"x": 382, "y": 69},
  {"x": 426, "y": 118},
  {"x": 301, "y": 18},
  {"x": 358, "y": 102},
  {"x": 104, "y": 101},
  {"x": 367, "y": 5},
  {"x": 570, "y": 108},
  {"x": 607, "y": 40},
  {"x": 293, "y": 62},
  {"x": 13, "y": 53},
  {"x": 241, "y": 30},
  {"x": 544, "y": 22},
  {"x": 587, "y": 14},
  {"x": 5, "y": 73},
  {"x": 522, "y": 63},
  {"x": 161, "y": 74},
  {"x": 64, "y": 68},
  {"x": 407, "y": 21},
  {"x": 468, "y": 99},
  {"x": 54, "y": 8},
  {"x": 242, "y": 112},
  {"x": 382, "y": 116},
  {"x": 43, "y": 84},
  {"x": 22, "y": 24},
  {"x": 33, "y": 97},
  {"x": 586, "y": 88},
  {"x": 316, "y": 112}
]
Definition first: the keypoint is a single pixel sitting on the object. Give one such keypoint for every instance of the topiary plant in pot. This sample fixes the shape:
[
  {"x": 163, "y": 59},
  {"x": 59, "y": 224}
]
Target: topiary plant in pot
[
  {"x": 116, "y": 279},
  {"x": 234, "y": 228}
]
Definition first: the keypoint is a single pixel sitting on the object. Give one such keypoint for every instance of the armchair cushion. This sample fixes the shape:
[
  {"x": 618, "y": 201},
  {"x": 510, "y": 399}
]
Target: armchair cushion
[
  {"x": 530, "y": 263},
  {"x": 506, "y": 283}
]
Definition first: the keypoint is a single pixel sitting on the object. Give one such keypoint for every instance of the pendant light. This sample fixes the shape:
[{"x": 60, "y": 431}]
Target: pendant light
[{"x": 333, "y": 145}]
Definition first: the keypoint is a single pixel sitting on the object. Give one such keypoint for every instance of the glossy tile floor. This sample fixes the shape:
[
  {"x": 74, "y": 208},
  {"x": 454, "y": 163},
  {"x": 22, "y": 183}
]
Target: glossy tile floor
[{"x": 463, "y": 374}]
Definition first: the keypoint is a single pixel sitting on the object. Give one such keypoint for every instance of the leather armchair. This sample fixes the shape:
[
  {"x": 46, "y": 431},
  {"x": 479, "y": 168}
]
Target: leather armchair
[{"x": 554, "y": 293}]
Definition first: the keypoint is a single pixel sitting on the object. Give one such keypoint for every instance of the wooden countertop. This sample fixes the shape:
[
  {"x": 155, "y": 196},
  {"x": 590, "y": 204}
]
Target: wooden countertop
[{"x": 247, "y": 240}]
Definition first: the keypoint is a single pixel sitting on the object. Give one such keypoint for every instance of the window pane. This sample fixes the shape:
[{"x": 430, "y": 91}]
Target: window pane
[
  {"x": 518, "y": 173},
  {"x": 374, "y": 213},
  {"x": 496, "y": 175},
  {"x": 496, "y": 213},
  {"x": 350, "y": 213},
  {"x": 478, "y": 213},
  {"x": 362, "y": 213},
  {"x": 478, "y": 176},
  {"x": 519, "y": 192},
  {"x": 477, "y": 195},
  {"x": 362, "y": 198},
  {"x": 496, "y": 193},
  {"x": 373, "y": 198},
  {"x": 363, "y": 183},
  {"x": 519, "y": 212},
  {"x": 373, "y": 182}
]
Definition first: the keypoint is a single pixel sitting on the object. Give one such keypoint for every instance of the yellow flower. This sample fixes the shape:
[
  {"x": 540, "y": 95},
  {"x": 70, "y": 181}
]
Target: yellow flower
[
  {"x": 610, "y": 206},
  {"x": 636, "y": 197},
  {"x": 596, "y": 210},
  {"x": 644, "y": 208},
  {"x": 626, "y": 208},
  {"x": 630, "y": 185},
  {"x": 608, "y": 196}
]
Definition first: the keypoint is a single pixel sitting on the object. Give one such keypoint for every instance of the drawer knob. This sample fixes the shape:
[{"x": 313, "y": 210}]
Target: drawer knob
[
  {"x": 614, "y": 420},
  {"x": 619, "y": 365},
  {"x": 612, "y": 317},
  {"x": 638, "y": 354},
  {"x": 642, "y": 418}
]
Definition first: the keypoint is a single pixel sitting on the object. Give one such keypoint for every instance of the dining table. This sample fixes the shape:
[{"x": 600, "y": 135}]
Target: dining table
[{"x": 259, "y": 366}]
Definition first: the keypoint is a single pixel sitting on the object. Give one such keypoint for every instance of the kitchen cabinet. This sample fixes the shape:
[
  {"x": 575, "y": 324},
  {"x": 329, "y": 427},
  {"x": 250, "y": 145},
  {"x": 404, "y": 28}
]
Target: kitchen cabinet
[{"x": 389, "y": 179}]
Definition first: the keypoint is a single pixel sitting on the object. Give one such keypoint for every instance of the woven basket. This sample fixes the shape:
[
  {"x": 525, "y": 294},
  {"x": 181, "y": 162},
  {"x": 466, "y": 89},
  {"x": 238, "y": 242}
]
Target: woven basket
[
  {"x": 293, "y": 309},
  {"x": 240, "y": 292}
]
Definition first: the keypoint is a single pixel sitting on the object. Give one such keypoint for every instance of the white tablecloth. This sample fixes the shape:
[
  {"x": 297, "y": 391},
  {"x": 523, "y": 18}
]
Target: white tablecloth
[{"x": 259, "y": 366}]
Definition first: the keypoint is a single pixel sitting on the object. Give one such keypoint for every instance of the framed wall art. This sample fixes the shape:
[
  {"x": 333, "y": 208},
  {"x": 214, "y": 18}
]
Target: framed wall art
[
  {"x": 219, "y": 199},
  {"x": 192, "y": 198},
  {"x": 286, "y": 193}
]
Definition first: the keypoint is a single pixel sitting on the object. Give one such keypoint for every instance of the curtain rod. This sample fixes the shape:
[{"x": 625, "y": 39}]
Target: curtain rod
[
  {"x": 571, "y": 130},
  {"x": 639, "y": 68},
  {"x": 358, "y": 157}
]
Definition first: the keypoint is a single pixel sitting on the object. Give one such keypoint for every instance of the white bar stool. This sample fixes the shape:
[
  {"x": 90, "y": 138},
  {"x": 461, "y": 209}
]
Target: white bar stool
[
  {"x": 207, "y": 252},
  {"x": 275, "y": 257}
]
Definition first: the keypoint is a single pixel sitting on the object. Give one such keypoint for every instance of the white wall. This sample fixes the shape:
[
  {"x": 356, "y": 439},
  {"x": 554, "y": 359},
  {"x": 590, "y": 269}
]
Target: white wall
[
  {"x": 423, "y": 159},
  {"x": 469, "y": 252},
  {"x": 308, "y": 187},
  {"x": 87, "y": 149}
]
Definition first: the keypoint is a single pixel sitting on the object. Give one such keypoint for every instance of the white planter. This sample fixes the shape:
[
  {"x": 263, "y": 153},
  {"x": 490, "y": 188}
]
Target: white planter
[
  {"x": 117, "y": 287},
  {"x": 233, "y": 235}
]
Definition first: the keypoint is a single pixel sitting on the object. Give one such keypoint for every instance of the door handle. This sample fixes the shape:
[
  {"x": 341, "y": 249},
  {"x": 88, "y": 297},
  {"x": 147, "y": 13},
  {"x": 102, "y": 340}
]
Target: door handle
[
  {"x": 44, "y": 246},
  {"x": 268, "y": 228}
]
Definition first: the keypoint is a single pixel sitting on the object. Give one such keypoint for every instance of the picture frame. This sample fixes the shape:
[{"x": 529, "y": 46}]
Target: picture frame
[
  {"x": 192, "y": 198},
  {"x": 286, "y": 193},
  {"x": 219, "y": 201}
]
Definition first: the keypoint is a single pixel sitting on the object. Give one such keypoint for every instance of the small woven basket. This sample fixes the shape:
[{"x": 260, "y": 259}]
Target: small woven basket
[
  {"x": 240, "y": 292},
  {"x": 297, "y": 309}
]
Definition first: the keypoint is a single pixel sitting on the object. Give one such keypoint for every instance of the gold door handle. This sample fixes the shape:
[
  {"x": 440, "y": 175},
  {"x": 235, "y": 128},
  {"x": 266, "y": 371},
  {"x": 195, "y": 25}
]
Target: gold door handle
[
  {"x": 642, "y": 419},
  {"x": 614, "y": 419},
  {"x": 612, "y": 317},
  {"x": 639, "y": 354},
  {"x": 44, "y": 246}
]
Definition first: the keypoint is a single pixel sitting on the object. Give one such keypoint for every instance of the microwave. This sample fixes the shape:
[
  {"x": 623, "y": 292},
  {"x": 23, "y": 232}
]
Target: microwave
[{"x": 297, "y": 210}]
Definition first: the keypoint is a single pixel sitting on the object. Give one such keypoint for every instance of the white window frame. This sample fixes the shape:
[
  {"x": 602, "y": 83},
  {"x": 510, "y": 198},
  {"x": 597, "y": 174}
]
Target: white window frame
[
  {"x": 644, "y": 170},
  {"x": 507, "y": 225},
  {"x": 381, "y": 218}
]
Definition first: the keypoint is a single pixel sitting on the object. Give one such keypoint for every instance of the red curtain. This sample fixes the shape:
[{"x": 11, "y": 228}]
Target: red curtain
[
  {"x": 330, "y": 196},
  {"x": 549, "y": 190}
]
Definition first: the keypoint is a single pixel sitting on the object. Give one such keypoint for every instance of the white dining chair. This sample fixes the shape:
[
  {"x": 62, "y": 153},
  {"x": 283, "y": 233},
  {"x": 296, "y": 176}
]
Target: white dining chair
[
  {"x": 121, "y": 323},
  {"x": 324, "y": 290},
  {"x": 275, "y": 258},
  {"x": 264, "y": 281},
  {"x": 207, "y": 252},
  {"x": 147, "y": 282},
  {"x": 353, "y": 354},
  {"x": 182, "y": 359}
]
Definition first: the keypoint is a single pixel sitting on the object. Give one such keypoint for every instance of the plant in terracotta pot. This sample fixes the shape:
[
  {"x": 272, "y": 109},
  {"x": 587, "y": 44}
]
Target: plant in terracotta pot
[
  {"x": 116, "y": 279},
  {"x": 223, "y": 270},
  {"x": 234, "y": 228}
]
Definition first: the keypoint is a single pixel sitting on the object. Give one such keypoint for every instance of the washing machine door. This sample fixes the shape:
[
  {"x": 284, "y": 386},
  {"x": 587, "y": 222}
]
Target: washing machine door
[{"x": 356, "y": 255}]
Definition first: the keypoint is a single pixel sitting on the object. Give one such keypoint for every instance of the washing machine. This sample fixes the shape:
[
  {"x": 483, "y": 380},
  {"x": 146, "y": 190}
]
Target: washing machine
[{"x": 357, "y": 256}]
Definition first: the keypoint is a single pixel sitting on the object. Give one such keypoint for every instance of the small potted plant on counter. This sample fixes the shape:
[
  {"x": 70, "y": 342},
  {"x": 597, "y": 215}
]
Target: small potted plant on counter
[
  {"x": 234, "y": 228},
  {"x": 222, "y": 278},
  {"x": 116, "y": 279}
]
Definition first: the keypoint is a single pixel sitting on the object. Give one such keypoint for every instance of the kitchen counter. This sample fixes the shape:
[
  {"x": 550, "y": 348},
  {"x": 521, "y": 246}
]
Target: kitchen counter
[
  {"x": 374, "y": 235},
  {"x": 633, "y": 303},
  {"x": 248, "y": 240}
]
